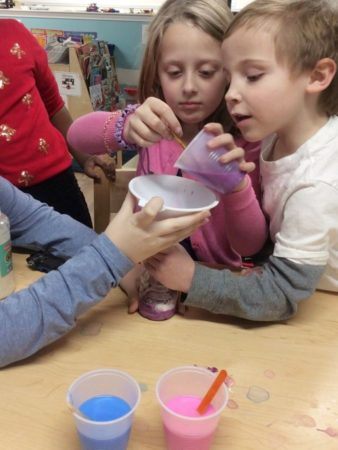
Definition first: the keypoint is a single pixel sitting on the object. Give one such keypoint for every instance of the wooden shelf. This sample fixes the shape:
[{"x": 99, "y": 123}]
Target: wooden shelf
[
  {"x": 108, "y": 196},
  {"x": 80, "y": 104}
]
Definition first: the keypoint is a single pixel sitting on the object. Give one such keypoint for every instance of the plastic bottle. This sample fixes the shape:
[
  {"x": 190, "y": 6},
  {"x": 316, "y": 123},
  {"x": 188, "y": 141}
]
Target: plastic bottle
[
  {"x": 156, "y": 301},
  {"x": 7, "y": 284}
]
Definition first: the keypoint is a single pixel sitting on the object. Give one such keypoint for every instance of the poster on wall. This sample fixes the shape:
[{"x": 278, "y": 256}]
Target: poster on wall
[{"x": 69, "y": 83}]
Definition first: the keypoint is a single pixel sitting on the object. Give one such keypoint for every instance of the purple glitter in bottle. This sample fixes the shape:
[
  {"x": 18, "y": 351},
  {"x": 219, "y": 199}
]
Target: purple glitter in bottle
[{"x": 156, "y": 301}]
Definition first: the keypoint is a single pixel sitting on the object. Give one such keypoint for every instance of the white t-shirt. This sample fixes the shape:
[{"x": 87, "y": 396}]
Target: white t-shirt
[{"x": 301, "y": 199}]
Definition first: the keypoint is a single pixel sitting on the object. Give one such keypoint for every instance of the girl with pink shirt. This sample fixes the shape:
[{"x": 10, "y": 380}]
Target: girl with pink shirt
[{"x": 181, "y": 90}]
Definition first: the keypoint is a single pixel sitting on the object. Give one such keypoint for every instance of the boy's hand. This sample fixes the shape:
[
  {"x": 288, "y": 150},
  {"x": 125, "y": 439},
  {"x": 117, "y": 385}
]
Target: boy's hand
[
  {"x": 174, "y": 268},
  {"x": 139, "y": 235},
  {"x": 152, "y": 121},
  {"x": 234, "y": 153}
]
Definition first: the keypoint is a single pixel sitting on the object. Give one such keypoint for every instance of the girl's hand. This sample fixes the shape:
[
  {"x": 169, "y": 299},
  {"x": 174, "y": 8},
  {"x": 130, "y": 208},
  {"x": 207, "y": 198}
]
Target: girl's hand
[
  {"x": 152, "y": 121},
  {"x": 174, "y": 268},
  {"x": 234, "y": 153}
]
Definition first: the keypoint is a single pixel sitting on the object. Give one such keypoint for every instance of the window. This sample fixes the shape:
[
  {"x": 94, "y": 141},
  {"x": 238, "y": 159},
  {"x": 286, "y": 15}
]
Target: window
[{"x": 123, "y": 6}]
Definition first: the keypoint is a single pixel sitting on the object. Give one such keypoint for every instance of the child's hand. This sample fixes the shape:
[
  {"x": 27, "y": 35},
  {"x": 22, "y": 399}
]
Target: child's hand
[
  {"x": 129, "y": 284},
  {"x": 234, "y": 153},
  {"x": 93, "y": 161},
  {"x": 152, "y": 121},
  {"x": 139, "y": 235},
  {"x": 174, "y": 268}
]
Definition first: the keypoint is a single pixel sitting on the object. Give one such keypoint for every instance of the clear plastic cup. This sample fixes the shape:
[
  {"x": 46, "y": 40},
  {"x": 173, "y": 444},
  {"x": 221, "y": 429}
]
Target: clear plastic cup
[
  {"x": 103, "y": 435},
  {"x": 189, "y": 431},
  {"x": 202, "y": 162}
]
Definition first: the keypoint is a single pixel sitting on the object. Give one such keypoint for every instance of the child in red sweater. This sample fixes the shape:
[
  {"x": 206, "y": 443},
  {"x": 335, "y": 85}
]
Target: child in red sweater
[{"x": 33, "y": 122}]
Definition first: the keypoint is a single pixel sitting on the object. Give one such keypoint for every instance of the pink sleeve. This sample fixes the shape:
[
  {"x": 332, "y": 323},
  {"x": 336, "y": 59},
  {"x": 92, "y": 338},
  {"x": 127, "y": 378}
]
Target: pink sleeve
[
  {"x": 247, "y": 227},
  {"x": 93, "y": 133}
]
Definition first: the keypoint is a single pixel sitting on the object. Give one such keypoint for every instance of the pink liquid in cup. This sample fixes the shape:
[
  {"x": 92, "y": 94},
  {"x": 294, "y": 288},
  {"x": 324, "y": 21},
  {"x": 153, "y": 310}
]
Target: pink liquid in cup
[
  {"x": 178, "y": 439},
  {"x": 180, "y": 391}
]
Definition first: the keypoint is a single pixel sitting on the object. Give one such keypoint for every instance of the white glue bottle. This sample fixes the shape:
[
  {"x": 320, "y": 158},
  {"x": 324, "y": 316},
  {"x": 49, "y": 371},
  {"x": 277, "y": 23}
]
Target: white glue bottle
[{"x": 7, "y": 284}]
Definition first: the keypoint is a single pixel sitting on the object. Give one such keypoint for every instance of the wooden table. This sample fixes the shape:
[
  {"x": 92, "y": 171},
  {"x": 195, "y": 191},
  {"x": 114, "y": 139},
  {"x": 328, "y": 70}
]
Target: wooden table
[{"x": 285, "y": 375}]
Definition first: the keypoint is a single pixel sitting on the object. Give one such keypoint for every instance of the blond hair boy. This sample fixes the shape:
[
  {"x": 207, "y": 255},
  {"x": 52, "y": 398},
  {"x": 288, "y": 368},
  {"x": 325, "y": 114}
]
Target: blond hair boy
[{"x": 281, "y": 58}]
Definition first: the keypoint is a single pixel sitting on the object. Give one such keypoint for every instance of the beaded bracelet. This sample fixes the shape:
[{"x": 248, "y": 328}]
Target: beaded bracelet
[
  {"x": 118, "y": 134},
  {"x": 106, "y": 137}
]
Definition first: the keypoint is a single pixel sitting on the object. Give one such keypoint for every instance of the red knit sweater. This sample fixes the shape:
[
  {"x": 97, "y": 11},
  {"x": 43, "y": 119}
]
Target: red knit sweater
[{"x": 31, "y": 148}]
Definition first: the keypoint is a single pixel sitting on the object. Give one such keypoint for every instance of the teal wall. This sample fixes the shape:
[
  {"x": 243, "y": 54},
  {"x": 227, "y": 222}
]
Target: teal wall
[{"x": 126, "y": 35}]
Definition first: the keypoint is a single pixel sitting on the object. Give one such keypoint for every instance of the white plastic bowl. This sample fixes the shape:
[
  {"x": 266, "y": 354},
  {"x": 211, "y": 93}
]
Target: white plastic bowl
[{"x": 181, "y": 196}]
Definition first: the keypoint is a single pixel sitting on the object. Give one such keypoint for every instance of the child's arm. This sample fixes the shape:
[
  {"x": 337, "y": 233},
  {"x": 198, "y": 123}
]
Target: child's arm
[
  {"x": 246, "y": 225},
  {"x": 303, "y": 260},
  {"x": 268, "y": 293},
  {"x": 62, "y": 121},
  {"x": 245, "y": 222},
  {"x": 136, "y": 126},
  {"x": 35, "y": 225},
  {"x": 48, "y": 308}
]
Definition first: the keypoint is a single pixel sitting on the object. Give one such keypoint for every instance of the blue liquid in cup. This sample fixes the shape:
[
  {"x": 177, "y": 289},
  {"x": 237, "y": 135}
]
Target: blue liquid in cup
[
  {"x": 117, "y": 443},
  {"x": 102, "y": 409}
]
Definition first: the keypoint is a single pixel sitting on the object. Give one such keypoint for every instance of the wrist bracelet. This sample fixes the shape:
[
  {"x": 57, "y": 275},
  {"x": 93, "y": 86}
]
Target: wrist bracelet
[
  {"x": 118, "y": 134},
  {"x": 106, "y": 131}
]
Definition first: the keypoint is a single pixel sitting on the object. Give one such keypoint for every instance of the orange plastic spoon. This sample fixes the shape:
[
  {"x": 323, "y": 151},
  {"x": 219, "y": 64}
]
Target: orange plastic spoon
[
  {"x": 179, "y": 140},
  {"x": 207, "y": 399}
]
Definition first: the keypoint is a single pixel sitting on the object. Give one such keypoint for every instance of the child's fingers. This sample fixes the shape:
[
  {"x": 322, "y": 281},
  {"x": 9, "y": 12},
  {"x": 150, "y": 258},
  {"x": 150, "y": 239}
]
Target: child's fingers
[
  {"x": 91, "y": 172},
  {"x": 170, "y": 120},
  {"x": 163, "y": 119},
  {"x": 222, "y": 140},
  {"x": 144, "y": 137},
  {"x": 168, "y": 239},
  {"x": 236, "y": 153},
  {"x": 247, "y": 166},
  {"x": 181, "y": 224},
  {"x": 133, "y": 305},
  {"x": 140, "y": 131},
  {"x": 148, "y": 213},
  {"x": 214, "y": 128},
  {"x": 128, "y": 205}
]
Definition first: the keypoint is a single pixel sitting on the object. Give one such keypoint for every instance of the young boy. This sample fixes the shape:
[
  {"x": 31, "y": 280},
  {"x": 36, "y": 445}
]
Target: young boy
[{"x": 281, "y": 61}]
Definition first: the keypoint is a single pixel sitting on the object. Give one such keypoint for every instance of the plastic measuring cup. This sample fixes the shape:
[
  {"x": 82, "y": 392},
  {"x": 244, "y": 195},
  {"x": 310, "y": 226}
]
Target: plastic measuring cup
[{"x": 203, "y": 164}]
